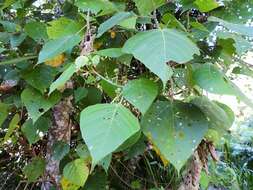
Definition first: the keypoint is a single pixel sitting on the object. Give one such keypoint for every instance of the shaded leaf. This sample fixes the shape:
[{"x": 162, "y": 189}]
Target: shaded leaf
[
  {"x": 34, "y": 169},
  {"x": 209, "y": 78},
  {"x": 31, "y": 131},
  {"x": 175, "y": 128},
  {"x": 218, "y": 117},
  {"x": 238, "y": 28},
  {"x": 40, "y": 77},
  {"x": 36, "y": 30},
  {"x": 36, "y": 104},
  {"x": 60, "y": 149},
  {"x": 3, "y": 113},
  {"x": 141, "y": 93}
]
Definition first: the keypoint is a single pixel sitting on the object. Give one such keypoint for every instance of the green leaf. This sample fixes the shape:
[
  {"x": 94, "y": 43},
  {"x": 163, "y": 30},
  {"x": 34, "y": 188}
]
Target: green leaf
[
  {"x": 68, "y": 73},
  {"x": 80, "y": 93},
  {"x": 96, "y": 6},
  {"x": 63, "y": 78},
  {"x": 57, "y": 46},
  {"x": 241, "y": 45},
  {"x": 199, "y": 26},
  {"x": 34, "y": 169},
  {"x": 111, "y": 52},
  {"x": 60, "y": 149},
  {"x": 105, "y": 127},
  {"x": 12, "y": 126},
  {"x": 105, "y": 162},
  {"x": 17, "y": 39},
  {"x": 97, "y": 181},
  {"x": 3, "y": 113},
  {"x": 206, "y": 5},
  {"x": 31, "y": 131},
  {"x": 62, "y": 27},
  {"x": 218, "y": 117},
  {"x": 209, "y": 78},
  {"x": 172, "y": 22},
  {"x": 175, "y": 128},
  {"x": 36, "y": 30},
  {"x": 156, "y": 47},
  {"x": 111, "y": 22},
  {"x": 36, "y": 104},
  {"x": 243, "y": 70},
  {"x": 7, "y": 3},
  {"x": 76, "y": 172},
  {"x": 129, "y": 23},
  {"x": 145, "y": 7},
  {"x": 238, "y": 28},
  {"x": 83, "y": 152},
  {"x": 10, "y": 26},
  {"x": 40, "y": 77},
  {"x": 141, "y": 93}
]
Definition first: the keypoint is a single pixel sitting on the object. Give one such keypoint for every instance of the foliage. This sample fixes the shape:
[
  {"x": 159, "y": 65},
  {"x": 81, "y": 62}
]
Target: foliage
[{"x": 140, "y": 72}]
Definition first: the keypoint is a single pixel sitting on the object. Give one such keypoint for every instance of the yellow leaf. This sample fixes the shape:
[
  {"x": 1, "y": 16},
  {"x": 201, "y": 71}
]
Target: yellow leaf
[
  {"x": 56, "y": 61},
  {"x": 67, "y": 185},
  {"x": 158, "y": 152}
]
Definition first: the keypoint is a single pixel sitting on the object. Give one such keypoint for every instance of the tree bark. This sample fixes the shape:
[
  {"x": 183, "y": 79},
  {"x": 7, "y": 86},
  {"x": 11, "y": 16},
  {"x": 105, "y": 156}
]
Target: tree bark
[{"x": 60, "y": 131}]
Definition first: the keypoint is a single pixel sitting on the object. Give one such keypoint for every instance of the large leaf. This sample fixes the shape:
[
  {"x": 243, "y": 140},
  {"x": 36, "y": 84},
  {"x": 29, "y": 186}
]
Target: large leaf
[
  {"x": 219, "y": 116},
  {"x": 105, "y": 127},
  {"x": 156, "y": 47},
  {"x": 76, "y": 172},
  {"x": 145, "y": 7},
  {"x": 209, "y": 78},
  {"x": 175, "y": 128},
  {"x": 238, "y": 28},
  {"x": 37, "y": 104},
  {"x": 62, "y": 27},
  {"x": 58, "y": 46},
  {"x": 40, "y": 77},
  {"x": 34, "y": 169},
  {"x": 141, "y": 93},
  {"x": 111, "y": 22}
]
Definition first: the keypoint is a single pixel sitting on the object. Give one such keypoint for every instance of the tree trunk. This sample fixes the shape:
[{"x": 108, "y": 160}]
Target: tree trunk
[{"x": 60, "y": 131}]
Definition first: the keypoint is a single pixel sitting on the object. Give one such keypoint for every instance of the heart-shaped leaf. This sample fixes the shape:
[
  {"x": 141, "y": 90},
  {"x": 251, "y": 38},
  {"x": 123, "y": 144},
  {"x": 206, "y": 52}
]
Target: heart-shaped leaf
[
  {"x": 105, "y": 127},
  {"x": 156, "y": 47},
  {"x": 175, "y": 128}
]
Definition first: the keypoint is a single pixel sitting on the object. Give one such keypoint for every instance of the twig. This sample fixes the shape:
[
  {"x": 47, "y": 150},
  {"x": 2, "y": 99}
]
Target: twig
[{"x": 114, "y": 171}]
